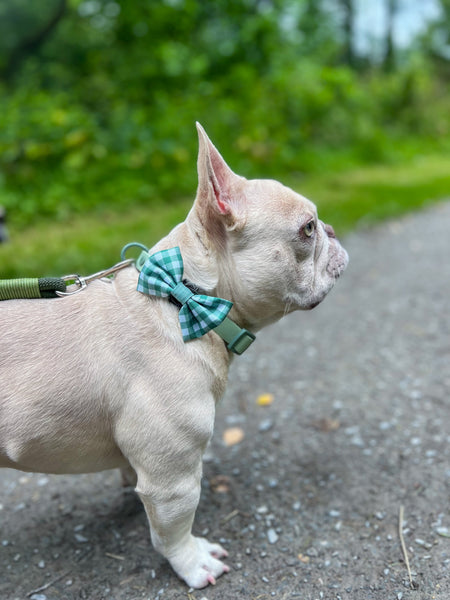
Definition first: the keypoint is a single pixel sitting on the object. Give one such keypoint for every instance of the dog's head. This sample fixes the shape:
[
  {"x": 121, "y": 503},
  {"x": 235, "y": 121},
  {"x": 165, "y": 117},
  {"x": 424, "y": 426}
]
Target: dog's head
[{"x": 271, "y": 252}]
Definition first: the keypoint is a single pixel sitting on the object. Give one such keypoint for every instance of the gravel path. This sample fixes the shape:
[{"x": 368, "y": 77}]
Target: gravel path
[{"x": 308, "y": 502}]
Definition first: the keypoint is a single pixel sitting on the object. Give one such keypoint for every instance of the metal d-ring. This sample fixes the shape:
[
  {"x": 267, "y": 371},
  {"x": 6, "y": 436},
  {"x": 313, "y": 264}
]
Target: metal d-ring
[{"x": 131, "y": 245}]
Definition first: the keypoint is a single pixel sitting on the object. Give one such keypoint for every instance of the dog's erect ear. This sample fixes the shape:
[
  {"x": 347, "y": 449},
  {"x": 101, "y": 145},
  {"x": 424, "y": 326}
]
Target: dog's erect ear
[{"x": 218, "y": 186}]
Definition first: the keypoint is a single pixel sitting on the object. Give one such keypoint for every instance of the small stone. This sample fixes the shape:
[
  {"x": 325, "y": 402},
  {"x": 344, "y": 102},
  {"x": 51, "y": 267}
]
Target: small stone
[
  {"x": 357, "y": 441},
  {"x": 312, "y": 552},
  {"x": 272, "y": 536},
  {"x": 41, "y": 564},
  {"x": 80, "y": 538},
  {"x": 384, "y": 425},
  {"x": 265, "y": 425}
]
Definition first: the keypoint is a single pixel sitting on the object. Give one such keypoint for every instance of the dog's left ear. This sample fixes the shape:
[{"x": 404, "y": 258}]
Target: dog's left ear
[{"x": 219, "y": 189}]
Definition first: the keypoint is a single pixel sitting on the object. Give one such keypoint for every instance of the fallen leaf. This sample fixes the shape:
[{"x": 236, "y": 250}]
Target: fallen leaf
[
  {"x": 302, "y": 558},
  {"x": 264, "y": 399},
  {"x": 326, "y": 425},
  {"x": 220, "y": 484},
  {"x": 233, "y": 435}
]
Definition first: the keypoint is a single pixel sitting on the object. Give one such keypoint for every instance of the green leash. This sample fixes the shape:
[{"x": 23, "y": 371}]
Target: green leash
[{"x": 29, "y": 288}]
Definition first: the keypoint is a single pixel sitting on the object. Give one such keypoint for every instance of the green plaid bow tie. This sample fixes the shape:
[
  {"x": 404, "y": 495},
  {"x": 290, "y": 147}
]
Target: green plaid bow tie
[{"x": 162, "y": 275}]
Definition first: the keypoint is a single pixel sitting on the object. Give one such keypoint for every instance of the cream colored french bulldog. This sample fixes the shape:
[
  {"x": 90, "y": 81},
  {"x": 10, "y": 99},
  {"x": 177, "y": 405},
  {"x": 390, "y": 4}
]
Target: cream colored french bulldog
[{"x": 103, "y": 378}]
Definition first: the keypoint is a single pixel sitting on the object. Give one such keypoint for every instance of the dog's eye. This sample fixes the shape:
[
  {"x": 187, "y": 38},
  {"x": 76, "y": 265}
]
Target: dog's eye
[{"x": 309, "y": 229}]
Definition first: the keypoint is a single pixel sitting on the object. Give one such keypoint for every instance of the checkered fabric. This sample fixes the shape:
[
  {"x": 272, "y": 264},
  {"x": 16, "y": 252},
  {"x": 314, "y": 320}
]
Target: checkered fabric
[{"x": 162, "y": 275}]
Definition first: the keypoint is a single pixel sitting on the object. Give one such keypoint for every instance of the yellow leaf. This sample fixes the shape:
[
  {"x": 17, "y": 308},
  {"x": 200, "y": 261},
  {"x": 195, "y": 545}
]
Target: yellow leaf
[{"x": 264, "y": 399}]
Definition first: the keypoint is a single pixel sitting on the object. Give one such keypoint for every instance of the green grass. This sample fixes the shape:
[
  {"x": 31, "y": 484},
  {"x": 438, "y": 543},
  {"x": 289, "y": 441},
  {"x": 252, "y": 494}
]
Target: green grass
[
  {"x": 362, "y": 197},
  {"x": 355, "y": 198}
]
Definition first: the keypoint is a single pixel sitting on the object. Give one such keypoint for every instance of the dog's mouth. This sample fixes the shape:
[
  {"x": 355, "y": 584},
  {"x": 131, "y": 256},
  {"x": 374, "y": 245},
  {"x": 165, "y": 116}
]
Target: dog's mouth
[{"x": 337, "y": 261}]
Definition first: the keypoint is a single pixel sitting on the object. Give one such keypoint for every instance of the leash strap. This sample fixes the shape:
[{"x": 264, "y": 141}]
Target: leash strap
[{"x": 29, "y": 288}]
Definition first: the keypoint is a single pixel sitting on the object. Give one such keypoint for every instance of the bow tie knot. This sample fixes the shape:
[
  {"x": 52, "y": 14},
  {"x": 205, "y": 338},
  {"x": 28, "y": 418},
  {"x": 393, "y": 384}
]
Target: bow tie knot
[{"x": 162, "y": 276}]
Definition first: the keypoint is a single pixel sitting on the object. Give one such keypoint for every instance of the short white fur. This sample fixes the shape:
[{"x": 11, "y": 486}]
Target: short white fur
[{"x": 103, "y": 379}]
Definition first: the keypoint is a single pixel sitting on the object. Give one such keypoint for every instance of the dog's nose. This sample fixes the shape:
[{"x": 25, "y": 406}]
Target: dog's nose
[{"x": 329, "y": 230}]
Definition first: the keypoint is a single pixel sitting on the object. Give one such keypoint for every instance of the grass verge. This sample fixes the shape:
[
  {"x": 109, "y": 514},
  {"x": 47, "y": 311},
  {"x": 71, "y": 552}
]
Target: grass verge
[{"x": 355, "y": 198}]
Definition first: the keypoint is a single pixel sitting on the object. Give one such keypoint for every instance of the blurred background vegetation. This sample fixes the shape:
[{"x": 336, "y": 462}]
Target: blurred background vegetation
[{"x": 98, "y": 100}]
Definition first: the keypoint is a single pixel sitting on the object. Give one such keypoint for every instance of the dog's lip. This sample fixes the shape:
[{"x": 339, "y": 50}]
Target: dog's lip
[
  {"x": 338, "y": 260},
  {"x": 314, "y": 304}
]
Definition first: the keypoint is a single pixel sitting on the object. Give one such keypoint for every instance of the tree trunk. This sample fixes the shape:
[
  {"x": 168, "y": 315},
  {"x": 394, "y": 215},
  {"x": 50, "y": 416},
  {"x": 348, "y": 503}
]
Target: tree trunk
[
  {"x": 389, "y": 57},
  {"x": 31, "y": 44}
]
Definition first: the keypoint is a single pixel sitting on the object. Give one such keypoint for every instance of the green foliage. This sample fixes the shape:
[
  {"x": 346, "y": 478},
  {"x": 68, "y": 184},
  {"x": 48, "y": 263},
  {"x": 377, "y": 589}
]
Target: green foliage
[{"x": 98, "y": 99}]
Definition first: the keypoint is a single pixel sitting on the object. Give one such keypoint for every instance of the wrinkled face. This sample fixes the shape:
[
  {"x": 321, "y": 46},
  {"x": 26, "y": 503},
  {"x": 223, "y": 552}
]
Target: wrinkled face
[
  {"x": 287, "y": 258},
  {"x": 273, "y": 254}
]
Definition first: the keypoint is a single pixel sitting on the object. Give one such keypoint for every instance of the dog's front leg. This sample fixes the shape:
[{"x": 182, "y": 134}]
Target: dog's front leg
[{"x": 171, "y": 513}]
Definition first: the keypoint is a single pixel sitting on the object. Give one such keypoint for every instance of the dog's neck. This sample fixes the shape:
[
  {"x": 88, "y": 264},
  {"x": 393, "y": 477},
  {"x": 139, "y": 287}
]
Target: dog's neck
[{"x": 212, "y": 268}]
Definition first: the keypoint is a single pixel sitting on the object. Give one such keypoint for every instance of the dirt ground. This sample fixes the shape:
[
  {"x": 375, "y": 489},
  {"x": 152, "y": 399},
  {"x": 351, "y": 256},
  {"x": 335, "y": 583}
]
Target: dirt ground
[{"x": 308, "y": 503}]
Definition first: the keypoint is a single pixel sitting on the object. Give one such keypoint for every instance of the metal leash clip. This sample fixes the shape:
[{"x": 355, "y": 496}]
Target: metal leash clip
[
  {"x": 72, "y": 280},
  {"x": 82, "y": 282}
]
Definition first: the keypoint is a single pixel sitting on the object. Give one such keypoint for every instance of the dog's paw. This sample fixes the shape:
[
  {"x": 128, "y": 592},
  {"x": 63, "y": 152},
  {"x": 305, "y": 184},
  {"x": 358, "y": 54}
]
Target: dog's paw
[{"x": 199, "y": 563}]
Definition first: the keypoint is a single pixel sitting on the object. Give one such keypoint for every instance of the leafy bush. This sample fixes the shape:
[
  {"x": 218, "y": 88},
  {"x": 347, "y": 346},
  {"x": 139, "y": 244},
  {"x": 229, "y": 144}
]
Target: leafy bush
[{"x": 102, "y": 115}]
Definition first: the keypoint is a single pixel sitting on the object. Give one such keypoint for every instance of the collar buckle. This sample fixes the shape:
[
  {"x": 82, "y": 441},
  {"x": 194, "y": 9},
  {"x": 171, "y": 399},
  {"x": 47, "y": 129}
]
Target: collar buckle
[
  {"x": 236, "y": 338},
  {"x": 241, "y": 342}
]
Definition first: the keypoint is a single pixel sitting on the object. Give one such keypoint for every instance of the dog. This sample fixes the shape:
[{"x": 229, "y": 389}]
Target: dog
[{"x": 103, "y": 378}]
